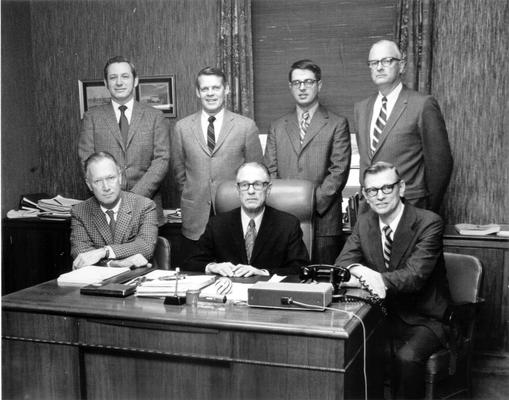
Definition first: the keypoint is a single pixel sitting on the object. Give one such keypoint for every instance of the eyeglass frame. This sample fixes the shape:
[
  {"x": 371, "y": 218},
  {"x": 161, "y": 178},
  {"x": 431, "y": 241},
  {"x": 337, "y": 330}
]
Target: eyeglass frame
[
  {"x": 386, "y": 189},
  {"x": 385, "y": 62},
  {"x": 308, "y": 83},
  {"x": 256, "y": 185}
]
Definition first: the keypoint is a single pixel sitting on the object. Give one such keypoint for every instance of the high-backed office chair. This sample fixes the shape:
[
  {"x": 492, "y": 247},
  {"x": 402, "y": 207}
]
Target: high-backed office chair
[
  {"x": 295, "y": 196},
  {"x": 447, "y": 376},
  {"x": 162, "y": 252}
]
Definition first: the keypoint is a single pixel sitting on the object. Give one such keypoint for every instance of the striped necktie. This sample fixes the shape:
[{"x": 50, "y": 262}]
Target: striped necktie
[
  {"x": 304, "y": 125},
  {"x": 211, "y": 137},
  {"x": 379, "y": 125},
  {"x": 387, "y": 245}
]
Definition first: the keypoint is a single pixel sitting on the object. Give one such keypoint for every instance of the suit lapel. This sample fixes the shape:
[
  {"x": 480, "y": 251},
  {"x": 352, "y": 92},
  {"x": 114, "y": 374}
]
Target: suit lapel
[
  {"x": 320, "y": 118},
  {"x": 123, "y": 219},
  {"x": 226, "y": 129},
  {"x": 112, "y": 123},
  {"x": 101, "y": 223},
  {"x": 196, "y": 130},
  {"x": 237, "y": 235},
  {"x": 293, "y": 131},
  {"x": 364, "y": 128},
  {"x": 136, "y": 118},
  {"x": 375, "y": 246},
  {"x": 264, "y": 233},
  {"x": 403, "y": 236},
  {"x": 396, "y": 112}
]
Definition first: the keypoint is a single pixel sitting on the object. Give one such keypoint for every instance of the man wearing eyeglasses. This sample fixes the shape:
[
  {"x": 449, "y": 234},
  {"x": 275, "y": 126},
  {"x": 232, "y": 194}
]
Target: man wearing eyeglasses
[
  {"x": 313, "y": 143},
  {"x": 113, "y": 227},
  {"x": 404, "y": 127},
  {"x": 396, "y": 250},
  {"x": 254, "y": 239}
]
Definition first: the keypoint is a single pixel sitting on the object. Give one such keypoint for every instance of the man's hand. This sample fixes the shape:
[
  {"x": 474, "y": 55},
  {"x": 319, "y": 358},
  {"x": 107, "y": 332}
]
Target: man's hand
[
  {"x": 242, "y": 270},
  {"x": 371, "y": 278},
  {"x": 88, "y": 258},
  {"x": 136, "y": 261},
  {"x": 224, "y": 268}
]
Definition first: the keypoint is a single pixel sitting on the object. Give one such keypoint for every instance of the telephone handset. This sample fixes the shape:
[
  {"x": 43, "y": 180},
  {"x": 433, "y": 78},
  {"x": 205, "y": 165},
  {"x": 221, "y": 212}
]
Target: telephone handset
[{"x": 336, "y": 275}]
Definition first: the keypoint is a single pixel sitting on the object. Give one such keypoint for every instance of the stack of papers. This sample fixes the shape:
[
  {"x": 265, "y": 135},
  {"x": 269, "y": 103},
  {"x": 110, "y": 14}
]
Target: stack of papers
[
  {"x": 162, "y": 283},
  {"x": 173, "y": 215},
  {"x": 471, "y": 229},
  {"x": 89, "y": 275},
  {"x": 56, "y": 207}
]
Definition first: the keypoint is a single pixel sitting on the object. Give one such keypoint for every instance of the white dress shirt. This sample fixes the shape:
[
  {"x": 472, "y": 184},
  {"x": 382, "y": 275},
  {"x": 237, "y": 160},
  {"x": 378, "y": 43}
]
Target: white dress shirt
[
  {"x": 218, "y": 123},
  {"x": 128, "y": 112},
  {"x": 391, "y": 101}
]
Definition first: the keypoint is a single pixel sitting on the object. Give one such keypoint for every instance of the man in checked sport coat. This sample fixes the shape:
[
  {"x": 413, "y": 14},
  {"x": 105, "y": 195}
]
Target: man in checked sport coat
[
  {"x": 113, "y": 226},
  {"x": 407, "y": 270},
  {"x": 277, "y": 248},
  {"x": 145, "y": 151},
  {"x": 414, "y": 137},
  {"x": 207, "y": 148},
  {"x": 322, "y": 155}
]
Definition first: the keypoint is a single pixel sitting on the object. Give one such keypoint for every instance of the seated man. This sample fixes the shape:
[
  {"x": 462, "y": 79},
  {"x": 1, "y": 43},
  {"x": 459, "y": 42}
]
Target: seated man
[
  {"x": 396, "y": 249},
  {"x": 254, "y": 239},
  {"x": 112, "y": 225}
]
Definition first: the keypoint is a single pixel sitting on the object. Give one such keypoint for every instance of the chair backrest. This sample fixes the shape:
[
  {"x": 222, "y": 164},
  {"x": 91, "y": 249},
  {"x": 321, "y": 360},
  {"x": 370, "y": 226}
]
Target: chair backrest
[
  {"x": 464, "y": 274},
  {"x": 295, "y": 196},
  {"x": 162, "y": 254}
]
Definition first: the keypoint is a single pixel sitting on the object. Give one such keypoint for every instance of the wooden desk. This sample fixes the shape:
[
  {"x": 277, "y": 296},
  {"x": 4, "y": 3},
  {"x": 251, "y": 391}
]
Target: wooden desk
[{"x": 59, "y": 344}]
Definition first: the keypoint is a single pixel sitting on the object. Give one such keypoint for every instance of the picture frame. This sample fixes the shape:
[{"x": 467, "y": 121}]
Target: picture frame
[{"x": 155, "y": 91}]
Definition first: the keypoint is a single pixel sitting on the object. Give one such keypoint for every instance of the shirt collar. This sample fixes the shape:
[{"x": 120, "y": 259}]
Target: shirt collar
[
  {"x": 395, "y": 222},
  {"x": 392, "y": 96},
  {"x": 310, "y": 110},
  {"x": 129, "y": 104},
  {"x": 114, "y": 209}
]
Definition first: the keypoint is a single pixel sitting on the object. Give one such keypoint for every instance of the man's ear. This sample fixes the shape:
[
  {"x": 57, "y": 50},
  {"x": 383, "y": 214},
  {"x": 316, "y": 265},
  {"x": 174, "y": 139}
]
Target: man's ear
[
  {"x": 136, "y": 81},
  {"x": 402, "y": 188},
  {"x": 88, "y": 185}
]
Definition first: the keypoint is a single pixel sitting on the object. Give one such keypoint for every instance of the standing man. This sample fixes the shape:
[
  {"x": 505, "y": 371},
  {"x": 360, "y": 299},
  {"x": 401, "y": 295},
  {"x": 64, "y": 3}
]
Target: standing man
[
  {"x": 113, "y": 225},
  {"x": 254, "y": 239},
  {"x": 138, "y": 136},
  {"x": 207, "y": 148},
  {"x": 312, "y": 143},
  {"x": 405, "y": 128},
  {"x": 396, "y": 249}
]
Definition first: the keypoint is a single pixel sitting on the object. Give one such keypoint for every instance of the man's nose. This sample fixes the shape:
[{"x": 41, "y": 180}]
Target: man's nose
[
  {"x": 251, "y": 189},
  {"x": 379, "y": 66},
  {"x": 380, "y": 195}
]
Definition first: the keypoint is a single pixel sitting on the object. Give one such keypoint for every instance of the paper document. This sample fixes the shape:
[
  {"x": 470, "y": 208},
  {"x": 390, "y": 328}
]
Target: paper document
[
  {"x": 88, "y": 275},
  {"x": 161, "y": 283},
  {"x": 237, "y": 294}
]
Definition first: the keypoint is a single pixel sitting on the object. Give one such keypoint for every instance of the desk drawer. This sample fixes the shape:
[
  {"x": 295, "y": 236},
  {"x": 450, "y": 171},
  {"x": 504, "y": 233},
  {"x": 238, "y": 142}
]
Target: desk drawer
[
  {"x": 155, "y": 337},
  {"x": 26, "y": 325}
]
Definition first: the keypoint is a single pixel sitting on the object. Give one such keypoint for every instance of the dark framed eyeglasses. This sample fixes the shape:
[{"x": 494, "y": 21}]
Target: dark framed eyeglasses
[
  {"x": 257, "y": 185},
  {"x": 308, "y": 83},
  {"x": 386, "y": 62},
  {"x": 386, "y": 189}
]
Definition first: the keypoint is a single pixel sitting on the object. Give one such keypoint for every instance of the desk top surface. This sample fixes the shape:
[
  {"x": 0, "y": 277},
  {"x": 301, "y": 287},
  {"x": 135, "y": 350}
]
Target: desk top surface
[{"x": 49, "y": 298}]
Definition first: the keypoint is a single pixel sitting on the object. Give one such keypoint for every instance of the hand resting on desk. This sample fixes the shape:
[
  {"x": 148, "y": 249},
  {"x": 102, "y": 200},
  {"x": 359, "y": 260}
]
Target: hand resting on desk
[
  {"x": 229, "y": 269},
  {"x": 136, "y": 261},
  {"x": 370, "y": 278}
]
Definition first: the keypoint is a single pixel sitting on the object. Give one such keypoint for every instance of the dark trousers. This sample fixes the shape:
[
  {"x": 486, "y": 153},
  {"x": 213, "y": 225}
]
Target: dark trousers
[
  {"x": 188, "y": 248},
  {"x": 327, "y": 248},
  {"x": 411, "y": 348}
]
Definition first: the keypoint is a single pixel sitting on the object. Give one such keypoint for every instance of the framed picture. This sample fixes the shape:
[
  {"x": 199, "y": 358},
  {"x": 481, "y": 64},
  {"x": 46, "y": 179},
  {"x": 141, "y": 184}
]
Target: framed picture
[
  {"x": 92, "y": 93},
  {"x": 158, "y": 92},
  {"x": 154, "y": 91}
]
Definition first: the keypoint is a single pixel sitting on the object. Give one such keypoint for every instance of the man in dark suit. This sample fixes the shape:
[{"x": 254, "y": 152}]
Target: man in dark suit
[
  {"x": 312, "y": 143},
  {"x": 254, "y": 239},
  {"x": 207, "y": 148},
  {"x": 138, "y": 136},
  {"x": 396, "y": 249},
  {"x": 112, "y": 226},
  {"x": 403, "y": 127}
]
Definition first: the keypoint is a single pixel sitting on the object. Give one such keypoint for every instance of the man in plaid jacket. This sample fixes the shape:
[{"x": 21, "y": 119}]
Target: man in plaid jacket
[{"x": 112, "y": 225}]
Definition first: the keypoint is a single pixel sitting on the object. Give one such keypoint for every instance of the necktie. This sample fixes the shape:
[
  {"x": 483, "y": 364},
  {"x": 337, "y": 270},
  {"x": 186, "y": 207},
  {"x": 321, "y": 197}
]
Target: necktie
[
  {"x": 304, "y": 125},
  {"x": 387, "y": 245},
  {"x": 379, "y": 125},
  {"x": 123, "y": 123},
  {"x": 250, "y": 239},
  {"x": 211, "y": 137},
  {"x": 112, "y": 223}
]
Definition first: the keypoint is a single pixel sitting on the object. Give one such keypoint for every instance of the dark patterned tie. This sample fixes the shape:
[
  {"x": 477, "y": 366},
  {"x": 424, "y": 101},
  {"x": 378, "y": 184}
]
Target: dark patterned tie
[
  {"x": 379, "y": 125},
  {"x": 304, "y": 125},
  {"x": 387, "y": 245},
  {"x": 211, "y": 137},
  {"x": 250, "y": 239},
  {"x": 112, "y": 222},
  {"x": 123, "y": 123}
]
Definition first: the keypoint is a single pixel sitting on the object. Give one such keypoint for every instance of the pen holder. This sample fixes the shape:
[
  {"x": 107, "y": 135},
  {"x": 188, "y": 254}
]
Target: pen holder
[{"x": 192, "y": 297}]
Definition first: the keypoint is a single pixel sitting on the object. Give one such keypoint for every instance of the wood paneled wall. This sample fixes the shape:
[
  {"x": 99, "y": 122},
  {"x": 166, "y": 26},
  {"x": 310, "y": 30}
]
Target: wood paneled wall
[
  {"x": 72, "y": 40},
  {"x": 336, "y": 34},
  {"x": 471, "y": 83}
]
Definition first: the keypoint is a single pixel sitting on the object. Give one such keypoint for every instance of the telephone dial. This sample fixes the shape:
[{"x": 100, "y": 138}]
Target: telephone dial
[{"x": 336, "y": 275}]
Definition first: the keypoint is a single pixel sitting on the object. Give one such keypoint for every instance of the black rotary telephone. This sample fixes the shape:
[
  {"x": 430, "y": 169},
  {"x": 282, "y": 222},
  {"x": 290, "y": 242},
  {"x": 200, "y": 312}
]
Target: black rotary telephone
[{"x": 336, "y": 275}]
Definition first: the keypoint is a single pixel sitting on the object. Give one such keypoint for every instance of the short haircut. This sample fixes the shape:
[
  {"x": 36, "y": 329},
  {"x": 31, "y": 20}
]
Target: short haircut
[
  {"x": 254, "y": 164},
  {"x": 101, "y": 155},
  {"x": 305, "y": 64},
  {"x": 210, "y": 71},
  {"x": 118, "y": 59},
  {"x": 380, "y": 166},
  {"x": 392, "y": 43}
]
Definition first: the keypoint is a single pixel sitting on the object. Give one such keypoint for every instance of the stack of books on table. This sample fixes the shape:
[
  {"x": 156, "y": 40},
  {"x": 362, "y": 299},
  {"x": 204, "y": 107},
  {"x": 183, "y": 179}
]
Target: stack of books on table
[
  {"x": 482, "y": 230},
  {"x": 57, "y": 207},
  {"x": 162, "y": 283}
]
